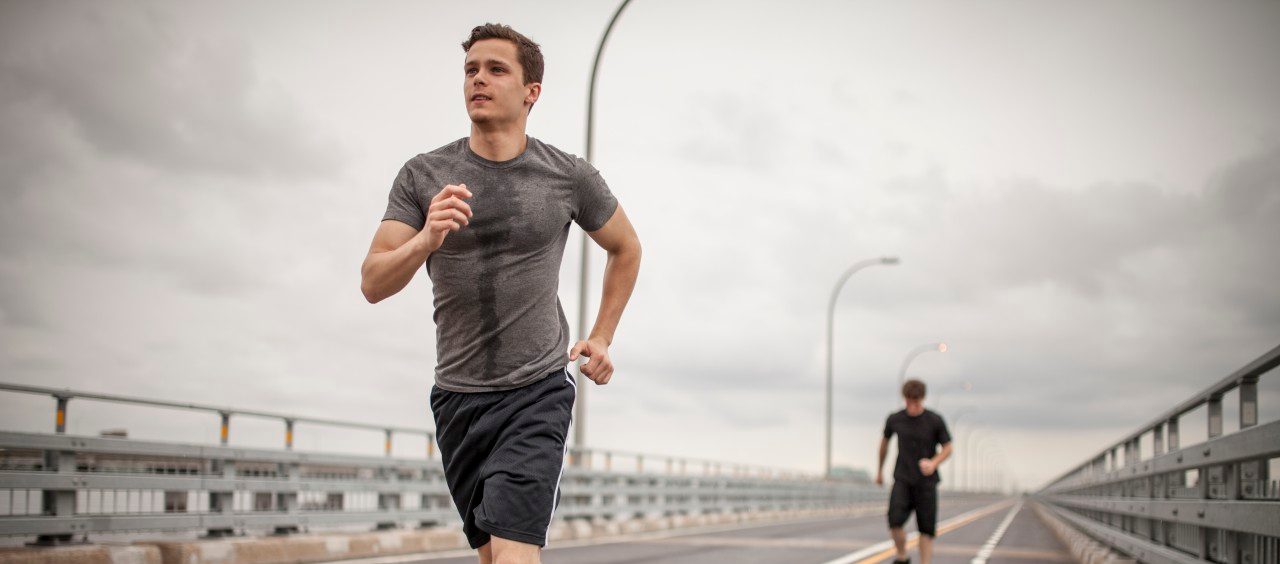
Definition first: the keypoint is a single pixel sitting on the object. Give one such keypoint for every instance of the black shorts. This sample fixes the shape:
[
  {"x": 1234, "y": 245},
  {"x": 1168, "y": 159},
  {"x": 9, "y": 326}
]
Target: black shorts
[
  {"x": 921, "y": 498},
  {"x": 503, "y": 456}
]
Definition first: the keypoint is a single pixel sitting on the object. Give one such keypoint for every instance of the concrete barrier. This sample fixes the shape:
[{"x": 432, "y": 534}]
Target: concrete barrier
[
  {"x": 89, "y": 554},
  {"x": 337, "y": 546},
  {"x": 1084, "y": 548},
  {"x": 307, "y": 548}
]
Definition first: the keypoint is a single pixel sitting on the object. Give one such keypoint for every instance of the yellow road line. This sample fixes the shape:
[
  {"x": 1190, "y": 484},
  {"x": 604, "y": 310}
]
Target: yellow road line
[{"x": 943, "y": 529}]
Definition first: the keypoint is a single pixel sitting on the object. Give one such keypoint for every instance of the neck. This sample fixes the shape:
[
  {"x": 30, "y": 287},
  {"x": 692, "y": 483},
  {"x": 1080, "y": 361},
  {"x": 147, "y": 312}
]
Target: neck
[{"x": 498, "y": 142}]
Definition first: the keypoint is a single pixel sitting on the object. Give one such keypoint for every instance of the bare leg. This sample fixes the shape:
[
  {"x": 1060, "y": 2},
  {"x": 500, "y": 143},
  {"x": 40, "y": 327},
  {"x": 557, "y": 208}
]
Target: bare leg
[
  {"x": 926, "y": 548},
  {"x": 507, "y": 551},
  {"x": 486, "y": 553},
  {"x": 899, "y": 541}
]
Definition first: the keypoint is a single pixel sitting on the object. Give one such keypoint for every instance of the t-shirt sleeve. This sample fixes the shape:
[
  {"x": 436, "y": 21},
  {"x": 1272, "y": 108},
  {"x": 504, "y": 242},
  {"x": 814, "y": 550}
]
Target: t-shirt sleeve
[
  {"x": 402, "y": 203},
  {"x": 943, "y": 435},
  {"x": 888, "y": 427},
  {"x": 594, "y": 204}
]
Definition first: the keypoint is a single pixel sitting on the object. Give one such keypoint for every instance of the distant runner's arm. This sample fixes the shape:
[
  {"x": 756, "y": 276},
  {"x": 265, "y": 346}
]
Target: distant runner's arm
[
  {"x": 943, "y": 455},
  {"x": 884, "y": 452},
  {"x": 930, "y": 465},
  {"x": 619, "y": 240}
]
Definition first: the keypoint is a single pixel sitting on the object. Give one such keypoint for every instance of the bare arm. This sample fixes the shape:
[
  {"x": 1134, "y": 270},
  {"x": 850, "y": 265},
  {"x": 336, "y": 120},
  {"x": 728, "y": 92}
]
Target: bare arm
[
  {"x": 941, "y": 456},
  {"x": 398, "y": 249},
  {"x": 884, "y": 453},
  {"x": 930, "y": 465},
  {"x": 619, "y": 240},
  {"x": 394, "y": 256}
]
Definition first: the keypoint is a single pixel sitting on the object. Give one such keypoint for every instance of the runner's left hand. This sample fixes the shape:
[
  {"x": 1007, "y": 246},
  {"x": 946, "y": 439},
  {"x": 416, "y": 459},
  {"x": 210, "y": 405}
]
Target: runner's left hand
[
  {"x": 600, "y": 368},
  {"x": 927, "y": 466}
]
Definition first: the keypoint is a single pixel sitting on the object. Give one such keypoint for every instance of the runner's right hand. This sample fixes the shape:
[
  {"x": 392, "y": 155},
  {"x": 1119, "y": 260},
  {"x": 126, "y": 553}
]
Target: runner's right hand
[{"x": 448, "y": 213}]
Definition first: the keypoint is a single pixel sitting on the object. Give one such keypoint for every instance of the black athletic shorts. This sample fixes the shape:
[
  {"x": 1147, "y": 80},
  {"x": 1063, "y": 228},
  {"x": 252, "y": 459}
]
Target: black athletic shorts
[
  {"x": 503, "y": 456},
  {"x": 921, "y": 498}
]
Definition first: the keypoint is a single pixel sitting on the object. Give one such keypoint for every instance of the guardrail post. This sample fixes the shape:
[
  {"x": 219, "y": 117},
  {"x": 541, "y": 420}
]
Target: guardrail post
[
  {"x": 60, "y": 417},
  {"x": 222, "y": 501},
  {"x": 287, "y": 501},
  {"x": 388, "y": 502},
  {"x": 1248, "y": 402},
  {"x": 58, "y": 503},
  {"x": 1157, "y": 441},
  {"x": 226, "y": 426},
  {"x": 1215, "y": 416}
]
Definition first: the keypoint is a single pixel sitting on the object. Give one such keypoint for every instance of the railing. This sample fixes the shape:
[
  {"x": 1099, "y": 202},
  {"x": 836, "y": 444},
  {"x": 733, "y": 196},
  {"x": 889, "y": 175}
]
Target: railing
[
  {"x": 73, "y": 485},
  {"x": 1210, "y": 502}
]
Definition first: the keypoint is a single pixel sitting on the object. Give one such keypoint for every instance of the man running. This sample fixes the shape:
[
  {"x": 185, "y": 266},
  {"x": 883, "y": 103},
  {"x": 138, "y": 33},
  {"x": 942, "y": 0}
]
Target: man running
[
  {"x": 915, "y": 475},
  {"x": 489, "y": 215}
]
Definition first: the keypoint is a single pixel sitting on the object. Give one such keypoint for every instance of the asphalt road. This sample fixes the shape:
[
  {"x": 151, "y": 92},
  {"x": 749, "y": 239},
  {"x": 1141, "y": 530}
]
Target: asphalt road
[{"x": 964, "y": 527}]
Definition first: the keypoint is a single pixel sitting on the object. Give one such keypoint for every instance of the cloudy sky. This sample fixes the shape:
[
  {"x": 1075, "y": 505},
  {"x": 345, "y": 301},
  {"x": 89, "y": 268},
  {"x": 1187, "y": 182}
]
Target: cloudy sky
[{"x": 1085, "y": 198}]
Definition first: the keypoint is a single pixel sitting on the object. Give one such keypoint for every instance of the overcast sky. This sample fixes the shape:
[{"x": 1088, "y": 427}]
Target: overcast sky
[{"x": 1085, "y": 197}]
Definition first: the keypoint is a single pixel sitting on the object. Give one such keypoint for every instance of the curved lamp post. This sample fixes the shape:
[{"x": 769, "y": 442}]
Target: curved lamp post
[
  {"x": 580, "y": 410},
  {"x": 902, "y": 372},
  {"x": 831, "y": 321}
]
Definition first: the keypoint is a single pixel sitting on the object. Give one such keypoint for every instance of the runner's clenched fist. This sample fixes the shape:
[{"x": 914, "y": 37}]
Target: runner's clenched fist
[{"x": 448, "y": 213}]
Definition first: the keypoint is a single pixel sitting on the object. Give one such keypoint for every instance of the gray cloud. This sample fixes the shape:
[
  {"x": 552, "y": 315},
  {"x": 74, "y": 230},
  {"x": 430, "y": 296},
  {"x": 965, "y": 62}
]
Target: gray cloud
[{"x": 130, "y": 84}]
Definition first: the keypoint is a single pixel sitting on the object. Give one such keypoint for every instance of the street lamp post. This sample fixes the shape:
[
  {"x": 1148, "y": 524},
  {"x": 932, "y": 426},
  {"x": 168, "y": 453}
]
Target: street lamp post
[
  {"x": 967, "y": 457},
  {"x": 831, "y": 321},
  {"x": 983, "y": 465},
  {"x": 955, "y": 449},
  {"x": 580, "y": 409}
]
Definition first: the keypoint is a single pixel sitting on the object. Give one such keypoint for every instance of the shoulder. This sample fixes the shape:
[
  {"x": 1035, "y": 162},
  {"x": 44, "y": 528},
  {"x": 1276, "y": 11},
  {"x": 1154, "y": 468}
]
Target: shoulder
[
  {"x": 558, "y": 159},
  {"x": 895, "y": 416},
  {"x": 442, "y": 154},
  {"x": 936, "y": 417}
]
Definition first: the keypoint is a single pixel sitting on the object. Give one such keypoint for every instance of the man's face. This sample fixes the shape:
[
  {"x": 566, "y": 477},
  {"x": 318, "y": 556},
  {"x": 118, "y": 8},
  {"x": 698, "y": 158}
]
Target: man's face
[
  {"x": 494, "y": 86},
  {"x": 914, "y": 406}
]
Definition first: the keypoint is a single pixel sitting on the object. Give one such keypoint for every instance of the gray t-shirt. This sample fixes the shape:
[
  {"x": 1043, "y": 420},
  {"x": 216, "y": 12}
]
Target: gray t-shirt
[{"x": 499, "y": 323}]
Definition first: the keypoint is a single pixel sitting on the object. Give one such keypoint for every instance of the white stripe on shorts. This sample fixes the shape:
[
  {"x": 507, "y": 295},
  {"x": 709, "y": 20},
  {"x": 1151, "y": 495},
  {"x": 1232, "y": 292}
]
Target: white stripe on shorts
[{"x": 555, "y": 501}]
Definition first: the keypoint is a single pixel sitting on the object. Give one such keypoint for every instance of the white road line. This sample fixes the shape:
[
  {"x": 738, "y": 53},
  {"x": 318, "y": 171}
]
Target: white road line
[
  {"x": 985, "y": 552},
  {"x": 886, "y": 545}
]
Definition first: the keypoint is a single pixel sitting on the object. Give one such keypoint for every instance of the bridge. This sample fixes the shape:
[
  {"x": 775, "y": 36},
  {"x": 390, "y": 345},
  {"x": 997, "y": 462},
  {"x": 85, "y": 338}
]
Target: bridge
[{"x": 1147, "y": 498}]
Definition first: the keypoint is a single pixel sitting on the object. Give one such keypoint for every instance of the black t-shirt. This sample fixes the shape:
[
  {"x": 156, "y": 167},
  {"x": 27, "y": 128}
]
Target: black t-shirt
[{"x": 918, "y": 437}]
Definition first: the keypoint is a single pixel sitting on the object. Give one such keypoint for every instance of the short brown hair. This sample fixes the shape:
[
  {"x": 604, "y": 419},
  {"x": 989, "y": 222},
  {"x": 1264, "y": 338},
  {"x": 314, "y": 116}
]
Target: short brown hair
[
  {"x": 529, "y": 55},
  {"x": 913, "y": 389}
]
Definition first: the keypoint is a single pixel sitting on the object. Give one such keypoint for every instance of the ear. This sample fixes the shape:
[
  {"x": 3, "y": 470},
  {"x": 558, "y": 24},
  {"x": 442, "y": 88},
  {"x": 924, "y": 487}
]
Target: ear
[{"x": 534, "y": 91}]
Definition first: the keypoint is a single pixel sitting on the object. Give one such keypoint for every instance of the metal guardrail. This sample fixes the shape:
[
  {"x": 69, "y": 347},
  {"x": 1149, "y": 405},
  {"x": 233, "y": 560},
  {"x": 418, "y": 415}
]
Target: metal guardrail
[
  {"x": 85, "y": 485},
  {"x": 1210, "y": 502}
]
